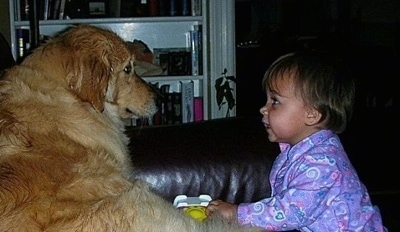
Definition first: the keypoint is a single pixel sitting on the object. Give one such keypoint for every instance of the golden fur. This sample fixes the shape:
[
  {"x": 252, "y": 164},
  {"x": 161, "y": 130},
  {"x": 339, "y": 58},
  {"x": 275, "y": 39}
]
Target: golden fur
[{"x": 64, "y": 163}]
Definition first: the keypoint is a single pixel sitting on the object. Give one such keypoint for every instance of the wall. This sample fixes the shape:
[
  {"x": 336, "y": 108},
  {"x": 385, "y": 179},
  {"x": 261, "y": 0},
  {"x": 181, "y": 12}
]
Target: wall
[{"x": 5, "y": 19}]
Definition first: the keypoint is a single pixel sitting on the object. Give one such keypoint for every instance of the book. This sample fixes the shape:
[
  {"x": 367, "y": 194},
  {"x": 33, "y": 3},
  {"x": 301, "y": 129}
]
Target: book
[
  {"x": 142, "y": 8},
  {"x": 194, "y": 49},
  {"x": 172, "y": 108},
  {"x": 46, "y": 8},
  {"x": 115, "y": 8},
  {"x": 198, "y": 109},
  {"x": 40, "y": 8},
  {"x": 133, "y": 8},
  {"x": 164, "y": 106},
  {"x": 24, "y": 9},
  {"x": 55, "y": 9},
  {"x": 199, "y": 28},
  {"x": 23, "y": 43},
  {"x": 169, "y": 110},
  {"x": 187, "y": 105},
  {"x": 174, "y": 7},
  {"x": 196, "y": 7},
  {"x": 176, "y": 107},
  {"x": 163, "y": 63},
  {"x": 163, "y": 7},
  {"x": 154, "y": 8},
  {"x": 62, "y": 9},
  {"x": 186, "y": 8}
]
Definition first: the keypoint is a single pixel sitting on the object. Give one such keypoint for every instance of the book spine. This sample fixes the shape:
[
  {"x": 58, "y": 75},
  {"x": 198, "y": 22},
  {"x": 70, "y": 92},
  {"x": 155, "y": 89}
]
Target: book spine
[
  {"x": 199, "y": 28},
  {"x": 24, "y": 10},
  {"x": 40, "y": 7},
  {"x": 187, "y": 91},
  {"x": 186, "y": 7},
  {"x": 154, "y": 8},
  {"x": 196, "y": 7},
  {"x": 163, "y": 7},
  {"x": 55, "y": 9},
  {"x": 142, "y": 9},
  {"x": 164, "y": 91},
  {"x": 176, "y": 107},
  {"x": 169, "y": 113},
  {"x": 115, "y": 8},
  {"x": 194, "y": 39},
  {"x": 198, "y": 109},
  {"x": 62, "y": 9},
  {"x": 23, "y": 43},
  {"x": 174, "y": 7},
  {"x": 46, "y": 7}
]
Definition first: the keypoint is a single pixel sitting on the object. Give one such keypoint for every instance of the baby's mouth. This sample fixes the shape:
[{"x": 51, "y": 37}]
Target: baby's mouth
[{"x": 266, "y": 125}]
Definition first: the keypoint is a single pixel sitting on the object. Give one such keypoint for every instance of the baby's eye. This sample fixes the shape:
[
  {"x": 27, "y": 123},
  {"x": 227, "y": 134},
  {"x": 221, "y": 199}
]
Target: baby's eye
[
  {"x": 274, "y": 101},
  {"x": 128, "y": 69}
]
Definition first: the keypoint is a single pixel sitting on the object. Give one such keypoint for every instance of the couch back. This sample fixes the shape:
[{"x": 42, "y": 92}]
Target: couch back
[{"x": 228, "y": 159}]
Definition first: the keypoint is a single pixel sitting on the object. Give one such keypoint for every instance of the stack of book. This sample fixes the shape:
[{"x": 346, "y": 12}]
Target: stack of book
[
  {"x": 65, "y": 9},
  {"x": 174, "y": 107},
  {"x": 46, "y": 9},
  {"x": 154, "y": 8}
]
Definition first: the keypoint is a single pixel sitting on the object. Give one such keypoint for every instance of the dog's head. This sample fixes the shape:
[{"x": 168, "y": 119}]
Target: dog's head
[{"x": 100, "y": 68}]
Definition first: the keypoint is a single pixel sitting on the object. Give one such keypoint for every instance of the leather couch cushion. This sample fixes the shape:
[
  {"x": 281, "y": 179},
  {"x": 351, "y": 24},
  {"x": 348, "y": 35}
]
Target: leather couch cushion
[{"x": 229, "y": 159}]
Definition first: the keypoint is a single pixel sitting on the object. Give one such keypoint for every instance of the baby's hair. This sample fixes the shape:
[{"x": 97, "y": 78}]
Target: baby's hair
[{"x": 323, "y": 81}]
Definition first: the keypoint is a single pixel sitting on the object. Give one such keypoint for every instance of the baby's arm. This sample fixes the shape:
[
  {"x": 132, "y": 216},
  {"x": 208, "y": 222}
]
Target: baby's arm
[{"x": 224, "y": 209}]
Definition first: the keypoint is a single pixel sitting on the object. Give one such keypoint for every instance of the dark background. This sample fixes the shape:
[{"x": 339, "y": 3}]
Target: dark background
[{"x": 366, "y": 34}]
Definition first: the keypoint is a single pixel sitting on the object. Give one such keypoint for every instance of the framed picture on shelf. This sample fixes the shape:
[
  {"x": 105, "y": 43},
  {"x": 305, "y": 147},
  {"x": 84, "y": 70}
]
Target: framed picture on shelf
[
  {"x": 98, "y": 8},
  {"x": 173, "y": 61},
  {"x": 179, "y": 63}
]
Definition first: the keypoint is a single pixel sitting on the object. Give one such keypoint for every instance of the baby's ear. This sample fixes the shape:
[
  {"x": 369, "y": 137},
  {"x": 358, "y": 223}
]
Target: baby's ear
[{"x": 313, "y": 116}]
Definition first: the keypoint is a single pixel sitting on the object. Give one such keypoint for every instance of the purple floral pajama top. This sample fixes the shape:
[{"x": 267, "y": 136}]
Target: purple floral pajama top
[{"x": 314, "y": 187}]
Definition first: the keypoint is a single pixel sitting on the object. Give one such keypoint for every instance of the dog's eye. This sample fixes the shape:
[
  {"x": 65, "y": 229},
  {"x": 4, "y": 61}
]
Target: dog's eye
[{"x": 128, "y": 69}]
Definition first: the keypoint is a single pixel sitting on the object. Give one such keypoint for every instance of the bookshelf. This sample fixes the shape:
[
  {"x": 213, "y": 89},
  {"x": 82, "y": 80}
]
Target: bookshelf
[{"x": 160, "y": 31}]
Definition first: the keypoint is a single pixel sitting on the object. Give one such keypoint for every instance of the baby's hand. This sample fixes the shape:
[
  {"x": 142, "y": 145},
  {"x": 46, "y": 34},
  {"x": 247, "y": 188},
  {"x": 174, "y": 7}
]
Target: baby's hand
[{"x": 224, "y": 209}]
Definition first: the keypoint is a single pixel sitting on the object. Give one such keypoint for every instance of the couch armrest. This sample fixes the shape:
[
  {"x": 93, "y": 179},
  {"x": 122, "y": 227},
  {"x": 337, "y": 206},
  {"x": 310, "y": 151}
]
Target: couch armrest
[{"x": 229, "y": 159}]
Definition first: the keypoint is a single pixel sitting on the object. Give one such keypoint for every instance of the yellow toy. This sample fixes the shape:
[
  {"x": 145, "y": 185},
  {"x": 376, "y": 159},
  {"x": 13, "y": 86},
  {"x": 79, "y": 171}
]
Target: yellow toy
[{"x": 195, "y": 207}]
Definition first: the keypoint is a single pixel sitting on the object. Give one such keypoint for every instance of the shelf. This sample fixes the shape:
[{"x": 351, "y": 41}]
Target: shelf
[
  {"x": 159, "y": 33},
  {"x": 116, "y": 20},
  {"x": 172, "y": 78}
]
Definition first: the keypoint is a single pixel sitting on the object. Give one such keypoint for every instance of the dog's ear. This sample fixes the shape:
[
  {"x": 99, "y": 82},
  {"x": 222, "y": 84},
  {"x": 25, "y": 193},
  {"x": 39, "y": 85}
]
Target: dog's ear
[
  {"x": 95, "y": 75},
  {"x": 89, "y": 77},
  {"x": 94, "y": 52}
]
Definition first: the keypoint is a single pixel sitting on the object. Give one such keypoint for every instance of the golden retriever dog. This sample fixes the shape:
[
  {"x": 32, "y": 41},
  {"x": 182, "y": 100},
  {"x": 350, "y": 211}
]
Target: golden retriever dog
[{"x": 64, "y": 163}]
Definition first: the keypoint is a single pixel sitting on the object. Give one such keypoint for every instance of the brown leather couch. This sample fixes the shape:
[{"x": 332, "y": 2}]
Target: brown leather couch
[{"x": 228, "y": 159}]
